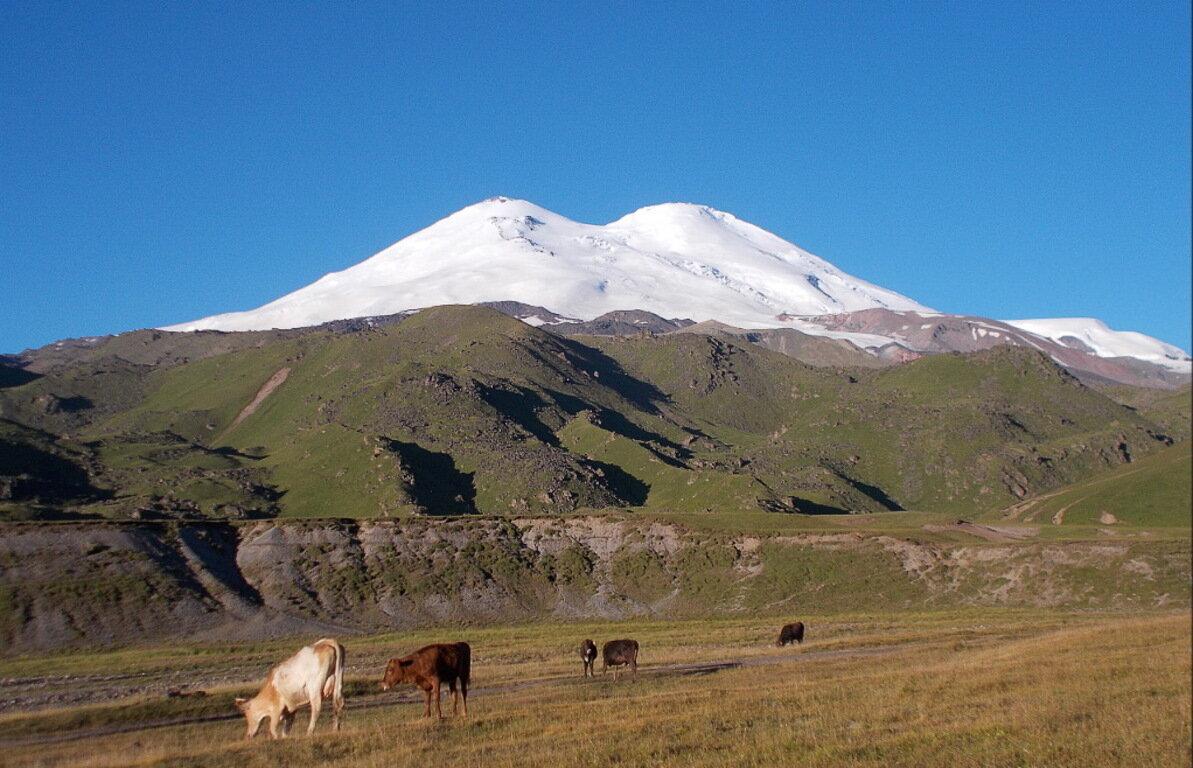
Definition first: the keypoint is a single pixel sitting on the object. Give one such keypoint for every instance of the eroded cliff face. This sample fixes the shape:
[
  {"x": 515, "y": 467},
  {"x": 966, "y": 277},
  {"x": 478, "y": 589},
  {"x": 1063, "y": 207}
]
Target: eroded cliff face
[{"x": 90, "y": 584}]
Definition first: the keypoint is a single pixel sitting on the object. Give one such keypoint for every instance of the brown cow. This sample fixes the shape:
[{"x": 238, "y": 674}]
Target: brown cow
[
  {"x": 313, "y": 674},
  {"x": 793, "y": 632},
  {"x": 618, "y": 653},
  {"x": 588, "y": 654},
  {"x": 431, "y": 666}
]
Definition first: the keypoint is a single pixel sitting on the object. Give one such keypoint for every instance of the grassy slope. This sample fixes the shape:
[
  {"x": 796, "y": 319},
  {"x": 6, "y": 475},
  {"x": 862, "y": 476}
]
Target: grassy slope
[
  {"x": 1170, "y": 409},
  {"x": 461, "y": 409},
  {"x": 1151, "y": 493},
  {"x": 945, "y": 432},
  {"x": 477, "y": 391},
  {"x": 35, "y": 463}
]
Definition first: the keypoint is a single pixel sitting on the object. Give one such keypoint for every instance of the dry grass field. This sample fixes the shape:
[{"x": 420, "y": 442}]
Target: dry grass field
[{"x": 992, "y": 688}]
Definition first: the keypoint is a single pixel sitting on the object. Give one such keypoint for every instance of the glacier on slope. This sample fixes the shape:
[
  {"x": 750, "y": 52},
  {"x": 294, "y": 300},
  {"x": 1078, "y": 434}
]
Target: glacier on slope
[
  {"x": 1090, "y": 334},
  {"x": 675, "y": 259}
]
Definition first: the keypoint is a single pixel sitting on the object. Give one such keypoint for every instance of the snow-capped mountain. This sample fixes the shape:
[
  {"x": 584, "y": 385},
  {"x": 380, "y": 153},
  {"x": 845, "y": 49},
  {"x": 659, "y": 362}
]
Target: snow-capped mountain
[
  {"x": 1119, "y": 356},
  {"x": 1090, "y": 335},
  {"x": 675, "y": 260}
]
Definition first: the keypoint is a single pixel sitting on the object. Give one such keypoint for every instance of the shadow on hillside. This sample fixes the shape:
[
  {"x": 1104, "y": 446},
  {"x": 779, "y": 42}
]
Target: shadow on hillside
[
  {"x": 28, "y": 473},
  {"x": 796, "y": 505},
  {"x": 875, "y": 493},
  {"x": 214, "y": 545},
  {"x": 609, "y": 373},
  {"x": 521, "y": 406},
  {"x": 629, "y": 489},
  {"x": 14, "y": 377},
  {"x": 615, "y": 422},
  {"x": 433, "y": 482}
]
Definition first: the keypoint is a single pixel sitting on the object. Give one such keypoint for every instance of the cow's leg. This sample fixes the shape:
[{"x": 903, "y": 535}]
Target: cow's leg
[
  {"x": 634, "y": 668},
  {"x": 455, "y": 698},
  {"x": 464, "y": 696},
  {"x": 438, "y": 695},
  {"x": 275, "y": 719},
  {"x": 337, "y": 710},
  {"x": 427, "y": 700},
  {"x": 287, "y": 721},
  {"x": 316, "y": 707}
]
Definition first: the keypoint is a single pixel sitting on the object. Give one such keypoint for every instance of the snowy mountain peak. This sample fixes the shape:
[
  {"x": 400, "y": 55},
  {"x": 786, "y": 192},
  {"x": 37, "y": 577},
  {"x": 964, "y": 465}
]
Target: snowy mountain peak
[
  {"x": 1091, "y": 335},
  {"x": 674, "y": 259},
  {"x": 671, "y": 212},
  {"x": 503, "y": 208}
]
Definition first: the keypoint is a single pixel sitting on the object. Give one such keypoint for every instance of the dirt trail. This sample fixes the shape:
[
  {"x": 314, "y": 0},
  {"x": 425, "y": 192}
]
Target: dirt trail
[
  {"x": 986, "y": 532},
  {"x": 374, "y": 701}
]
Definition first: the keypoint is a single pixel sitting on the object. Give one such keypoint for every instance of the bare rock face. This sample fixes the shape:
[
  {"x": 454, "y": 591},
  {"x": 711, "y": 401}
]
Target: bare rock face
[{"x": 620, "y": 323}]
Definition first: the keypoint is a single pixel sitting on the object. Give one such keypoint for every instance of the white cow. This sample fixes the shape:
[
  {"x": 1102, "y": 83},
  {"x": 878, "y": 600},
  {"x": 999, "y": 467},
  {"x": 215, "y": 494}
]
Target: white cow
[{"x": 313, "y": 674}]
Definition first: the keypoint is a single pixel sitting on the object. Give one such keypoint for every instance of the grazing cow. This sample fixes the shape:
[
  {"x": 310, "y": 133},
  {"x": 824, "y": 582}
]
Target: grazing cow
[
  {"x": 588, "y": 655},
  {"x": 313, "y": 674},
  {"x": 431, "y": 666},
  {"x": 791, "y": 633},
  {"x": 618, "y": 653}
]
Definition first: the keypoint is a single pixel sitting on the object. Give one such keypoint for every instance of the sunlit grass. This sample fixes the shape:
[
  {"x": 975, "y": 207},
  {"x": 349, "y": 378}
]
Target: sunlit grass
[{"x": 957, "y": 689}]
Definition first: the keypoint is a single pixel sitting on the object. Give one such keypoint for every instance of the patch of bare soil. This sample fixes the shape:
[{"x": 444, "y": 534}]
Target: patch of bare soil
[
  {"x": 986, "y": 532},
  {"x": 266, "y": 390}
]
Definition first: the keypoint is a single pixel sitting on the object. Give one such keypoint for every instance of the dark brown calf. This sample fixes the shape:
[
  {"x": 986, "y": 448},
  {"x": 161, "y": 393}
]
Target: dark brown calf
[
  {"x": 619, "y": 653},
  {"x": 588, "y": 654},
  {"x": 791, "y": 633},
  {"x": 429, "y": 667}
]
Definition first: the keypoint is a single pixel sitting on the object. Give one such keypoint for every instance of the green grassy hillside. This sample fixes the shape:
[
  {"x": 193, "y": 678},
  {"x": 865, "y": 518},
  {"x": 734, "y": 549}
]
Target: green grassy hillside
[
  {"x": 1150, "y": 493},
  {"x": 462, "y": 410},
  {"x": 947, "y": 432},
  {"x": 1170, "y": 409}
]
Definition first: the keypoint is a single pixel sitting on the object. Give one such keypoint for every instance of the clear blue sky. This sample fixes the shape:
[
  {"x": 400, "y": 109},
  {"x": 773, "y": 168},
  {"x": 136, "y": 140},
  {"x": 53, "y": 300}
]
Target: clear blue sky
[{"x": 164, "y": 161}]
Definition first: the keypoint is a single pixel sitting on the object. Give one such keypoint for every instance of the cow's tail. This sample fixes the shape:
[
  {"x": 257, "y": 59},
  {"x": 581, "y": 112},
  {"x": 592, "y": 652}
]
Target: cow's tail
[
  {"x": 337, "y": 704},
  {"x": 334, "y": 687}
]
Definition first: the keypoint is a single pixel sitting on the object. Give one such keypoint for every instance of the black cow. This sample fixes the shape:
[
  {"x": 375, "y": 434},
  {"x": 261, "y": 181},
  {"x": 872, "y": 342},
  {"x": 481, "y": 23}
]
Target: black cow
[
  {"x": 588, "y": 654},
  {"x": 619, "y": 653},
  {"x": 791, "y": 633}
]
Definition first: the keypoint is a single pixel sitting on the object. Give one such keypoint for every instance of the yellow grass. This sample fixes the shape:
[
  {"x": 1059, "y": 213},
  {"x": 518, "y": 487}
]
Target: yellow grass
[{"x": 1047, "y": 690}]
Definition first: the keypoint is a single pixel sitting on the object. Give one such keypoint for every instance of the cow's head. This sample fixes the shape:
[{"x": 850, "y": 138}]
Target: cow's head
[
  {"x": 396, "y": 671},
  {"x": 254, "y": 712}
]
